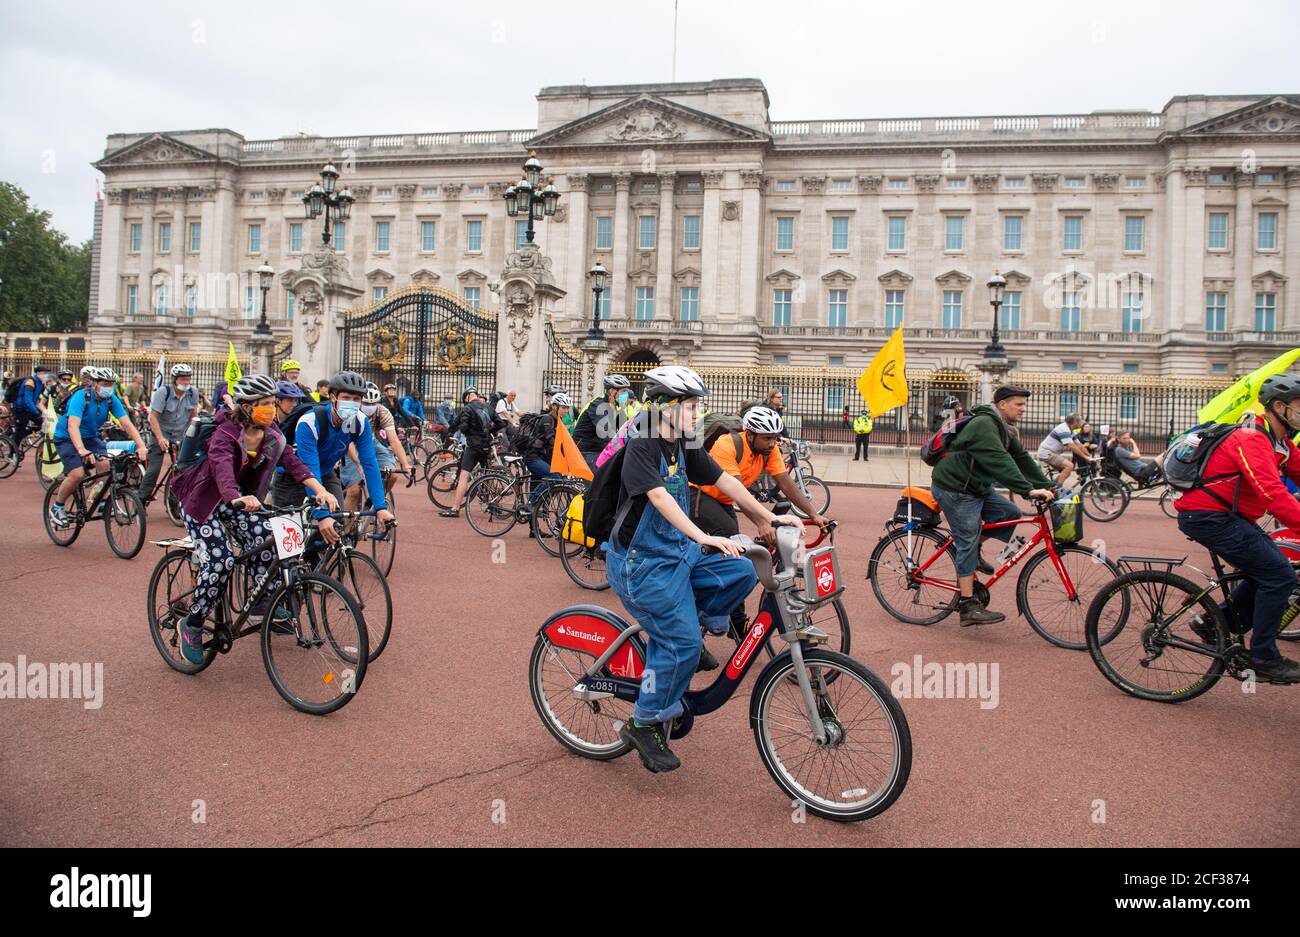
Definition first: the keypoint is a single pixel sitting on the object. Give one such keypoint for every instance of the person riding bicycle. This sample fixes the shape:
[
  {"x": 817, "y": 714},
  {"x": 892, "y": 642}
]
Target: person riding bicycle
[
  {"x": 26, "y": 410},
  {"x": 1128, "y": 457},
  {"x": 602, "y": 418},
  {"x": 412, "y": 409},
  {"x": 714, "y": 512},
  {"x": 389, "y": 452},
  {"x": 479, "y": 425},
  {"x": 218, "y": 495},
  {"x": 170, "y": 412},
  {"x": 548, "y": 393},
  {"x": 78, "y": 438},
  {"x": 287, "y": 399},
  {"x": 322, "y": 436},
  {"x": 1241, "y": 481},
  {"x": 394, "y": 406},
  {"x": 655, "y": 559},
  {"x": 535, "y": 441},
  {"x": 1059, "y": 448},
  {"x": 983, "y": 454},
  {"x": 56, "y": 391},
  {"x": 1087, "y": 438},
  {"x": 291, "y": 371}
]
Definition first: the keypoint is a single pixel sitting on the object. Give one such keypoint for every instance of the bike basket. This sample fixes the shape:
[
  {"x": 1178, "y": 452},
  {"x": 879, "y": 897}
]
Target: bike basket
[
  {"x": 573, "y": 523},
  {"x": 821, "y": 576},
  {"x": 1067, "y": 520}
]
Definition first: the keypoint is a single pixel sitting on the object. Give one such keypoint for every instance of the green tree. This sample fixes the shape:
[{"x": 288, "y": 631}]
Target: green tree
[{"x": 44, "y": 280}]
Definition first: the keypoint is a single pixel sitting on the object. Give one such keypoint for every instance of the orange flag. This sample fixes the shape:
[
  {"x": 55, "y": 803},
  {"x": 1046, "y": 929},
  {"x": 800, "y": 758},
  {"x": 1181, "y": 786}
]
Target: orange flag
[{"x": 565, "y": 457}]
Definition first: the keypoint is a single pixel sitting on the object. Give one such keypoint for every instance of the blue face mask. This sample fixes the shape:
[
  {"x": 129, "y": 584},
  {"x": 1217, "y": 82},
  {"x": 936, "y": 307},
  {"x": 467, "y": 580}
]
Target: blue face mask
[
  {"x": 623, "y": 397},
  {"x": 105, "y": 393},
  {"x": 347, "y": 409}
]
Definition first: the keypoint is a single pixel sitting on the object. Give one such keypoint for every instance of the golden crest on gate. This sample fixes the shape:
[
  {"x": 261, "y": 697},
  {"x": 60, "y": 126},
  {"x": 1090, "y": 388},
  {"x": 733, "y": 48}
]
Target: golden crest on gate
[
  {"x": 453, "y": 348},
  {"x": 387, "y": 348}
]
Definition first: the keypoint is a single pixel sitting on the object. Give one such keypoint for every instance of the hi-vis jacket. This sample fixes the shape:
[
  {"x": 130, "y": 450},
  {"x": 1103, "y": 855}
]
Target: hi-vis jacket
[{"x": 862, "y": 425}]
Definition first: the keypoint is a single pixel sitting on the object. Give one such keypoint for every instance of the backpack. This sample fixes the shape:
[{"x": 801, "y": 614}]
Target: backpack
[
  {"x": 14, "y": 388},
  {"x": 194, "y": 445},
  {"x": 1183, "y": 463},
  {"x": 940, "y": 444},
  {"x": 290, "y": 426},
  {"x": 601, "y": 500},
  {"x": 61, "y": 406},
  {"x": 531, "y": 435},
  {"x": 714, "y": 425},
  {"x": 1110, "y": 467}
]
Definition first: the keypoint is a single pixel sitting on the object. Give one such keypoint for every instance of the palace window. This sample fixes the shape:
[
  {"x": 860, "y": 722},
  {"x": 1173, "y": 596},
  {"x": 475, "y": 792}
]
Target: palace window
[
  {"x": 1072, "y": 235},
  {"x": 781, "y": 307},
  {"x": 473, "y": 296},
  {"x": 1265, "y": 312},
  {"x": 1131, "y": 312},
  {"x": 134, "y": 237},
  {"x": 428, "y": 236},
  {"x": 838, "y": 311},
  {"x": 1013, "y": 236},
  {"x": 196, "y": 236},
  {"x": 255, "y": 239},
  {"x": 952, "y": 309},
  {"x": 473, "y": 236},
  {"x": 1134, "y": 234},
  {"x": 646, "y": 232},
  {"x": 645, "y": 303},
  {"x": 689, "y": 303},
  {"x": 1267, "y": 228},
  {"x": 691, "y": 233},
  {"x": 1216, "y": 231},
  {"x": 381, "y": 236},
  {"x": 897, "y": 233},
  {"x": 1010, "y": 318},
  {"x": 954, "y": 233},
  {"x": 1216, "y": 311},
  {"x": 840, "y": 233},
  {"x": 295, "y": 238},
  {"x": 604, "y": 233},
  {"x": 1070, "y": 311},
  {"x": 164, "y": 238},
  {"x": 785, "y": 234},
  {"x": 894, "y": 308}
]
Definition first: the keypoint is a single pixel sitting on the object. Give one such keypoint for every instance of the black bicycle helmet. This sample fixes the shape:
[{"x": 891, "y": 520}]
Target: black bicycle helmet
[
  {"x": 1283, "y": 387},
  {"x": 673, "y": 382},
  {"x": 465, "y": 394},
  {"x": 349, "y": 382}
]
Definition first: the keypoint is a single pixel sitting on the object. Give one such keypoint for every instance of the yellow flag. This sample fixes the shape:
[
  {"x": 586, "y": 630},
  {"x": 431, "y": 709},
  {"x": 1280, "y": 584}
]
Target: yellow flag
[
  {"x": 232, "y": 367},
  {"x": 883, "y": 385},
  {"x": 565, "y": 456},
  {"x": 1232, "y": 403}
]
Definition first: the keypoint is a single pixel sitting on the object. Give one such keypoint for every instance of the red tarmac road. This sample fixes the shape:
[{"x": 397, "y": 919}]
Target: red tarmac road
[{"x": 443, "y": 732}]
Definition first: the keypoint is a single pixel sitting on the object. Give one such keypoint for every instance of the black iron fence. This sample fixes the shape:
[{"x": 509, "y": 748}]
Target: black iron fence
[{"x": 563, "y": 365}]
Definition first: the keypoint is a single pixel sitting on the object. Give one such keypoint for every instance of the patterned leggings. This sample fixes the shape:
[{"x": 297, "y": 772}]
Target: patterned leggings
[{"x": 213, "y": 552}]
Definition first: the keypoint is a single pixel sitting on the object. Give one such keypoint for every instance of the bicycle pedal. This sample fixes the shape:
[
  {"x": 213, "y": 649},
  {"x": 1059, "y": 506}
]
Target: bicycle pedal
[{"x": 812, "y": 634}]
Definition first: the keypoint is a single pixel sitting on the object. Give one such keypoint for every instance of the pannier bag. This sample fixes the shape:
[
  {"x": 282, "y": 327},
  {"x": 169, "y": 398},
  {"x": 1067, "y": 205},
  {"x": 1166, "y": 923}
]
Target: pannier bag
[
  {"x": 573, "y": 524},
  {"x": 925, "y": 510},
  {"x": 1067, "y": 520}
]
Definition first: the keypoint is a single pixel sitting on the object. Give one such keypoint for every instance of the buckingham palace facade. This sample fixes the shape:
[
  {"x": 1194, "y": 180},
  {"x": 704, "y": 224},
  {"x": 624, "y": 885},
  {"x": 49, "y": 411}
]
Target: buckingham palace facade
[{"x": 1131, "y": 241}]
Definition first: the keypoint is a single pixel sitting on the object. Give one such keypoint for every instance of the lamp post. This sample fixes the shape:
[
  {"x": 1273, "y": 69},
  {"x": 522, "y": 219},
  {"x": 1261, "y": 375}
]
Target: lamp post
[
  {"x": 265, "y": 276},
  {"x": 598, "y": 274},
  {"x": 996, "y": 285},
  {"x": 529, "y": 198},
  {"x": 322, "y": 199}
]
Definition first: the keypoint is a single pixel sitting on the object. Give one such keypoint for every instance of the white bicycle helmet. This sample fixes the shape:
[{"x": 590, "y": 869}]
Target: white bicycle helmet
[
  {"x": 561, "y": 399},
  {"x": 616, "y": 381},
  {"x": 372, "y": 394},
  {"x": 88, "y": 372},
  {"x": 182, "y": 370},
  {"x": 103, "y": 374},
  {"x": 762, "y": 420},
  {"x": 252, "y": 387},
  {"x": 672, "y": 382}
]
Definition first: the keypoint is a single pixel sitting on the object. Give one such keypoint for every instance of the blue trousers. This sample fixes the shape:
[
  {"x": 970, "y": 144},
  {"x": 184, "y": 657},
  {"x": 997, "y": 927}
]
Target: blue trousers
[{"x": 966, "y": 515}]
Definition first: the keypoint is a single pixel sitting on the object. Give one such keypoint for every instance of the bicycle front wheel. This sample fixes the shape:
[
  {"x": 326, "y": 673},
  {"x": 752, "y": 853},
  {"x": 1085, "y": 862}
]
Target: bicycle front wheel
[
  {"x": 586, "y": 567},
  {"x": 317, "y": 659},
  {"x": 818, "y": 494},
  {"x": 862, "y": 766},
  {"x": 492, "y": 505},
  {"x": 8, "y": 457},
  {"x": 1104, "y": 499},
  {"x": 1154, "y": 654},
  {"x": 1057, "y": 618},
  {"x": 125, "y": 522},
  {"x": 363, "y": 577},
  {"x": 1167, "y": 499},
  {"x": 895, "y": 578},
  {"x": 441, "y": 484}
]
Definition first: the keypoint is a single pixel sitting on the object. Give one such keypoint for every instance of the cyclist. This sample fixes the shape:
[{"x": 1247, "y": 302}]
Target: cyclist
[
  {"x": 654, "y": 555},
  {"x": 413, "y": 408},
  {"x": 389, "y": 452},
  {"x": 1059, "y": 448},
  {"x": 1129, "y": 457},
  {"x": 394, "y": 406},
  {"x": 535, "y": 441},
  {"x": 78, "y": 439},
  {"x": 27, "y": 405},
  {"x": 1241, "y": 481},
  {"x": 715, "y": 512},
  {"x": 287, "y": 398},
  {"x": 56, "y": 391},
  {"x": 323, "y": 434},
  {"x": 291, "y": 371},
  {"x": 478, "y": 424},
  {"x": 170, "y": 412},
  {"x": 322, "y": 392},
  {"x": 602, "y": 418},
  {"x": 985, "y": 453},
  {"x": 218, "y": 494}
]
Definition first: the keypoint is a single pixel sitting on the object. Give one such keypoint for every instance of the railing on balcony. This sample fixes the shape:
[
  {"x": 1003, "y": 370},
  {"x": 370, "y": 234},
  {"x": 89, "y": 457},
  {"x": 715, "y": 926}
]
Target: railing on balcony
[
  {"x": 658, "y": 325},
  {"x": 1009, "y": 124},
  {"x": 299, "y": 145}
]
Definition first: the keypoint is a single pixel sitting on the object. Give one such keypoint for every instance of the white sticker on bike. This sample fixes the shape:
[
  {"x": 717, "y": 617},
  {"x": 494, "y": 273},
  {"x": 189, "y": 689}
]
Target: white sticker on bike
[{"x": 289, "y": 539}]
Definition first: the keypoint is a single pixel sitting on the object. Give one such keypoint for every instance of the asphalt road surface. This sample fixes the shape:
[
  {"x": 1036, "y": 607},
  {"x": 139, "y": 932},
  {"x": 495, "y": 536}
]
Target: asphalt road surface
[{"x": 442, "y": 745}]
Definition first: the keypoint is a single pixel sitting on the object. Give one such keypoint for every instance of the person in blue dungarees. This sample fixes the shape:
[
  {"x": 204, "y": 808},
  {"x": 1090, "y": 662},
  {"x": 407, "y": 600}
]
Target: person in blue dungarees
[{"x": 655, "y": 560}]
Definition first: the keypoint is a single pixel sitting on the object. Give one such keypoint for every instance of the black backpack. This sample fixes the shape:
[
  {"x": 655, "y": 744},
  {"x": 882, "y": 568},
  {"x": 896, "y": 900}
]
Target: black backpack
[
  {"x": 290, "y": 426},
  {"x": 600, "y": 506},
  {"x": 15, "y": 388},
  {"x": 61, "y": 406},
  {"x": 531, "y": 435}
]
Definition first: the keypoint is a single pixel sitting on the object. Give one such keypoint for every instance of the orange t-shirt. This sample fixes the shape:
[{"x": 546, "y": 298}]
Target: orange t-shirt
[{"x": 748, "y": 465}]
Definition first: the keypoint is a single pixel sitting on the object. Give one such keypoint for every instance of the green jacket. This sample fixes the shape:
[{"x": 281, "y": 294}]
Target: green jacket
[
  {"x": 978, "y": 459},
  {"x": 862, "y": 425}
]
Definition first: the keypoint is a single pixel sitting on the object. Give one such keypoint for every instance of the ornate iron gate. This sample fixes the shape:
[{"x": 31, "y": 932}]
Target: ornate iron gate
[
  {"x": 426, "y": 339},
  {"x": 563, "y": 365}
]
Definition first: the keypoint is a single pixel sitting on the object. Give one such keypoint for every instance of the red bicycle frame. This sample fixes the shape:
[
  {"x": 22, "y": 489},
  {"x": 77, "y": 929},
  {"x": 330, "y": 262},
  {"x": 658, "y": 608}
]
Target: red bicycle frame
[{"x": 1042, "y": 535}]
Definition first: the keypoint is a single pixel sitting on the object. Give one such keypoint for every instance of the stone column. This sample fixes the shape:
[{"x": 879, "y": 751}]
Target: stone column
[
  {"x": 576, "y": 276},
  {"x": 751, "y": 232},
  {"x": 1241, "y": 301},
  {"x": 110, "y": 253},
  {"x": 528, "y": 295},
  {"x": 711, "y": 233},
  {"x": 618, "y": 273},
  {"x": 1290, "y": 319},
  {"x": 665, "y": 247},
  {"x": 1189, "y": 280},
  {"x": 323, "y": 292},
  {"x": 179, "y": 246}
]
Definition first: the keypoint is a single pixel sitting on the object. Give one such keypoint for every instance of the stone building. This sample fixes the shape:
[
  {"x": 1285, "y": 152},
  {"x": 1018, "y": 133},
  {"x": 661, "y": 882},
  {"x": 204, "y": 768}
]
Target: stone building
[{"x": 1132, "y": 241}]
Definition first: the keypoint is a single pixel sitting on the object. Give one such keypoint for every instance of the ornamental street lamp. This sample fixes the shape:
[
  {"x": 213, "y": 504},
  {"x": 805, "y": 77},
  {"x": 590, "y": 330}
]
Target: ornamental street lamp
[
  {"x": 321, "y": 199},
  {"x": 598, "y": 274},
  {"x": 529, "y": 198},
  {"x": 265, "y": 276},
  {"x": 996, "y": 285}
]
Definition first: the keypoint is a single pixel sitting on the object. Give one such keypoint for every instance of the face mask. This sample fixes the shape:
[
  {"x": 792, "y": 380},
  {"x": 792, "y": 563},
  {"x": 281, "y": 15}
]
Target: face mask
[
  {"x": 182, "y": 388},
  {"x": 105, "y": 393},
  {"x": 263, "y": 415},
  {"x": 65, "y": 384},
  {"x": 623, "y": 398},
  {"x": 369, "y": 408},
  {"x": 347, "y": 409}
]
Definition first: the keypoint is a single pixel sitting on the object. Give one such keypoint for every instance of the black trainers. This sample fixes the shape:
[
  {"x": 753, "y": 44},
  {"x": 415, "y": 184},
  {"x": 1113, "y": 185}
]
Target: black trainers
[
  {"x": 1277, "y": 669},
  {"x": 707, "y": 661},
  {"x": 651, "y": 745},
  {"x": 973, "y": 612},
  {"x": 984, "y": 566}
]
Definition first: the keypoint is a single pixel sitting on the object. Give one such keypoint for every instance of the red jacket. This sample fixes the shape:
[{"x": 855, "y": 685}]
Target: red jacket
[{"x": 1252, "y": 458}]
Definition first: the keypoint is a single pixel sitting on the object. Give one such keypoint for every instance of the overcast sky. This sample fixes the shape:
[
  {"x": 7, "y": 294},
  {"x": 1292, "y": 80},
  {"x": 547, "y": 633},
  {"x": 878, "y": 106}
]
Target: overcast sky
[{"x": 73, "y": 72}]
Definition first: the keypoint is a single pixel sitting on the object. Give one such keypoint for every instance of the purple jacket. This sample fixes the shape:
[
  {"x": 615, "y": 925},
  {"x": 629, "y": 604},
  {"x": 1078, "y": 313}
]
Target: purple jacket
[{"x": 216, "y": 478}]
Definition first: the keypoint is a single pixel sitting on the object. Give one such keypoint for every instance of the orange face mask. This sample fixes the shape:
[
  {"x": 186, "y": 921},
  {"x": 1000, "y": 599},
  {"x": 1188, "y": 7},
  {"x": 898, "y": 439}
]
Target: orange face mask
[{"x": 263, "y": 416}]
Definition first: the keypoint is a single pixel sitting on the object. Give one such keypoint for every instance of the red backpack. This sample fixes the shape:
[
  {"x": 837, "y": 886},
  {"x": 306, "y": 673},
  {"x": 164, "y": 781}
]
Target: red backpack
[{"x": 940, "y": 445}]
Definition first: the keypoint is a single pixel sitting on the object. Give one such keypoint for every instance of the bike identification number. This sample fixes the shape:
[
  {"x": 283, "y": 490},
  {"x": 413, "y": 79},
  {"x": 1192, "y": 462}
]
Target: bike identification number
[{"x": 289, "y": 539}]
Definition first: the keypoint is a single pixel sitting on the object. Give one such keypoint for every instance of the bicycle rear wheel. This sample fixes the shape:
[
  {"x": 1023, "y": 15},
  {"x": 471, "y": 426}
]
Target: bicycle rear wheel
[
  {"x": 383, "y": 550},
  {"x": 892, "y": 571},
  {"x": 1104, "y": 499},
  {"x": 586, "y": 567},
  {"x": 441, "y": 485},
  {"x": 1154, "y": 653},
  {"x": 319, "y": 665},
  {"x": 171, "y": 587},
  {"x": 1167, "y": 499},
  {"x": 8, "y": 457},
  {"x": 124, "y": 522},
  {"x": 1058, "y": 619},
  {"x": 363, "y": 577},
  {"x": 172, "y": 504},
  {"x": 588, "y": 728},
  {"x": 76, "y": 508},
  {"x": 49, "y": 466},
  {"x": 492, "y": 505},
  {"x": 864, "y": 764},
  {"x": 550, "y": 513}
]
